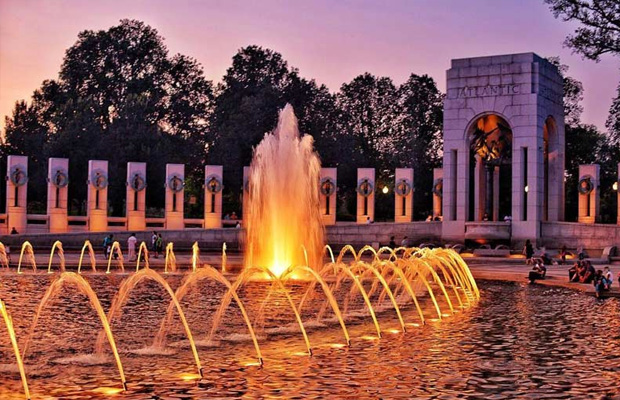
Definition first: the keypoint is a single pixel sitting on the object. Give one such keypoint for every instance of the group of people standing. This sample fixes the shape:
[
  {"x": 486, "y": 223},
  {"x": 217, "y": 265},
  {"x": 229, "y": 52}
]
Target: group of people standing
[{"x": 156, "y": 247}]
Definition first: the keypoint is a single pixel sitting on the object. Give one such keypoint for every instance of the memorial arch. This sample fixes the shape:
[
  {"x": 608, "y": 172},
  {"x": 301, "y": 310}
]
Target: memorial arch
[{"x": 503, "y": 148}]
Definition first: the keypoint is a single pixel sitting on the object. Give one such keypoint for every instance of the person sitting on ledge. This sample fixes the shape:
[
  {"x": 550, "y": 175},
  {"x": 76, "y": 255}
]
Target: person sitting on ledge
[
  {"x": 600, "y": 282},
  {"x": 589, "y": 272},
  {"x": 14, "y": 231},
  {"x": 392, "y": 244},
  {"x": 607, "y": 274},
  {"x": 574, "y": 272},
  {"x": 538, "y": 271}
]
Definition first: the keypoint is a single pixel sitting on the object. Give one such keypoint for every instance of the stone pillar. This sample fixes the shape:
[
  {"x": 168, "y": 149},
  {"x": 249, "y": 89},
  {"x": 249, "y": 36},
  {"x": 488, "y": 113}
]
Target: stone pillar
[
  {"x": 175, "y": 192},
  {"x": 16, "y": 193},
  {"x": 246, "y": 194},
  {"x": 57, "y": 194},
  {"x": 589, "y": 193},
  {"x": 479, "y": 189},
  {"x": 213, "y": 195},
  {"x": 403, "y": 195},
  {"x": 437, "y": 192},
  {"x": 97, "y": 196},
  {"x": 495, "y": 216},
  {"x": 136, "y": 196},
  {"x": 328, "y": 188},
  {"x": 365, "y": 195}
]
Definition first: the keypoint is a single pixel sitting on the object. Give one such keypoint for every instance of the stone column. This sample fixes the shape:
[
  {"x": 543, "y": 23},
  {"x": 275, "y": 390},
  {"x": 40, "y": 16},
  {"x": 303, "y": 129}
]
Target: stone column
[
  {"x": 495, "y": 216},
  {"x": 403, "y": 195},
  {"x": 213, "y": 195},
  {"x": 16, "y": 193},
  {"x": 437, "y": 192},
  {"x": 175, "y": 183},
  {"x": 97, "y": 196},
  {"x": 327, "y": 191},
  {"x": 365, "y": 195},
  {"x": 479, "y": 189},
  {"x": 57, "y": 194},
  {"x": 589, "y": 193},
  {"x": 136, "y": 196}
]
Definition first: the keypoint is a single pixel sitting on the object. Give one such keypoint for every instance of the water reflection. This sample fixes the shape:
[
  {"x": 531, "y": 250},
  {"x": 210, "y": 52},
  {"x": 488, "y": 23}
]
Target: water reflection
[{"x": 520, "y": 341}]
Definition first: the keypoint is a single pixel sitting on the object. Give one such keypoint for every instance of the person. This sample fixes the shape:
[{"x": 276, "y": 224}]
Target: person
[
  {"x": 159, "y": 245},
  {"x": 563, "y": 253},
  {"x": 233, "y": 216},
  {"x": 588, "y": 274},
  {"x": 392, "y": 242},
  {"x": 107, "y": 245},
  {"x": 581, "y": 254},
  {"x": 609, "y": 276},
  {"x": 528, "y": 251},
  {"x": 485, "y": 217},
  {"x": 14, "y": 231},
  {"x": 573, "y": 272},
  {"x": 405, "y": 242},
  {"x": 368, "y": 221},
  {"x": 538, "y": 271},
  {"x": 131, "y": 247},
  {"x": 227, "y": 217},
  {"x": 600, "y": 283},
  {"x": 429, "y": 218},
  {"x": 154, "y": 244},
  {"x": 238, "y": 226}
]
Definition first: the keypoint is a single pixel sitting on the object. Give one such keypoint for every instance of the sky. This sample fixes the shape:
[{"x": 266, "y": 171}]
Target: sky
[{"x": 330, "y": 41}]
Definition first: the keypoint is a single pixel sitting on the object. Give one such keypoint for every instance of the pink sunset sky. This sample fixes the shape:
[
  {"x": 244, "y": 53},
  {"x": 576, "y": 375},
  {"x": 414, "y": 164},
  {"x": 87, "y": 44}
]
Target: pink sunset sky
[{"x": 330, "y": 41}]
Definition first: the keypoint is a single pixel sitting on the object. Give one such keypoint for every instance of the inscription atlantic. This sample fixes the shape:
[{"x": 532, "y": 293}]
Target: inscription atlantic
[{"x": 490, "y": 90}]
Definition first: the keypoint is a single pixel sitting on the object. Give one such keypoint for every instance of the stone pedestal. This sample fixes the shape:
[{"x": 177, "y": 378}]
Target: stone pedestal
[
  {"x": 16, "y": 193},
  {"x": 437, "y": 192},
  {"x": 589, "y": 193},
  {"x": 403, "y": 195},
  {"x": 136, "y": 196},
  {"x": 57, "y": 194},
  {"x": 328, "y": 187},
  {"x": 97, "y": 195},
  {"x": 175, "y": 183},
  {"x": 213, "y": 196},
  {"x": 365, "y": 195}
]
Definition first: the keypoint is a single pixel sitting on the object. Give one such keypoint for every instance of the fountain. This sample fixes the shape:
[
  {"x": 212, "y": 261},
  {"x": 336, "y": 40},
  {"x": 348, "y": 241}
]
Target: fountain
[
  {"x": 283, "y": 203},
  {"x": 8, "y": 323},
  {"x": 4, "y": 257},
  {"x": 291, "y": 281},
  {"x": 91, "y": 255}
]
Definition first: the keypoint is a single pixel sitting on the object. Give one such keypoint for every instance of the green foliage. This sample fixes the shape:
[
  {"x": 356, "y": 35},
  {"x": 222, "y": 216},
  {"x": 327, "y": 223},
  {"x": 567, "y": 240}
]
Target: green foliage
[{"x": 599, "y": 29}]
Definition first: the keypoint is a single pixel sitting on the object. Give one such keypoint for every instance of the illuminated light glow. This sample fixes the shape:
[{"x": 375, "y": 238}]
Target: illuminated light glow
[
  {"x": 300, "y": 353},
  {"x": 369, "y": 337},
  {"x": 109, "y": 391},
  {"x": 393, "y": 331},
  {"x": 526, "y": 188},
  {"x": 385, "y": 190},
  {"x": 615, "y": 186},
  {"x": 445, "y": 315},
  {"x": 190, "y": 377},
  {"x": 414, "y": 324},
  {"x": 251, "y": 364},
  {"x": 337, "y": 345}
]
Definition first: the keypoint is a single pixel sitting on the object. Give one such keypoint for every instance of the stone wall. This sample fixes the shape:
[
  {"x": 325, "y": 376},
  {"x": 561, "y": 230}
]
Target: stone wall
[
  {"x": 573, "y": 235},
  {"x": 212, "y": 239}
]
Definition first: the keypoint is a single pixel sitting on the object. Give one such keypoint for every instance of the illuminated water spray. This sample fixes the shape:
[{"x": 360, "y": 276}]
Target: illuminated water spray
[{"x": 283, "y": 208}]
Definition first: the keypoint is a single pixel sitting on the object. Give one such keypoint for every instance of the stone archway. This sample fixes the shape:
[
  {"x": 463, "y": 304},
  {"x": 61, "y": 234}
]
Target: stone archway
[{"x": 489, "y": 137}]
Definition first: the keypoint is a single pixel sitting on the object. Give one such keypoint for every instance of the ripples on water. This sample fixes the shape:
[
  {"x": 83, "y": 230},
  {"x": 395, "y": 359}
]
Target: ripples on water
[{"x": 520, "y": 341}]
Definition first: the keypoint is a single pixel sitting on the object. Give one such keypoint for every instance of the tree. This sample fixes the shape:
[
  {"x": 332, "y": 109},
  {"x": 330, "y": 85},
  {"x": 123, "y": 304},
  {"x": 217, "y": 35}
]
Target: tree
[
  {"x": 421, "y": 105},
  {"x": 599, "y": 32},
  {"x": 257, "y": 85},
  {"x": 573, "y": 94},
  {"x": 120, "y": 96}
]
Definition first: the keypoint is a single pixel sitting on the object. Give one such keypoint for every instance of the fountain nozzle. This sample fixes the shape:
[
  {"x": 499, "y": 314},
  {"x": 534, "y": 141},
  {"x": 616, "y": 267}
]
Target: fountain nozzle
[
  {"x": 310, "y": 351},
  {"x": 200, "y": 372},
  {"x": 125, "y": 386},
  {"x": 349, "y": 342},
  {"x": 260, "y": 361}
]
